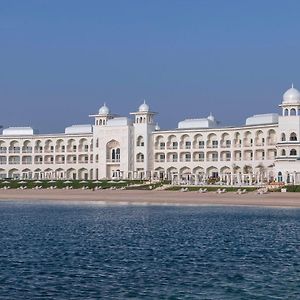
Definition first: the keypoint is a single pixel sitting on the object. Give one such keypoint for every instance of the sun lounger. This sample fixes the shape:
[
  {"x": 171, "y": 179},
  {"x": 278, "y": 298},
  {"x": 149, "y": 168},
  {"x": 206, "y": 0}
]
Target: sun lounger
[{"x": 221, "y": 191}]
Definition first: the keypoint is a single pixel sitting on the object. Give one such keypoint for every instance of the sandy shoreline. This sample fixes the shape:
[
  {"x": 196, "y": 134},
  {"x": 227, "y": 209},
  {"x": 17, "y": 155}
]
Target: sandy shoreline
[{"x": 291, "y": 200}]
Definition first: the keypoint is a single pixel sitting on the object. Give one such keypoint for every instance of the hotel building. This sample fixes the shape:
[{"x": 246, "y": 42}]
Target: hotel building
[{"x": 265, "y": 149}]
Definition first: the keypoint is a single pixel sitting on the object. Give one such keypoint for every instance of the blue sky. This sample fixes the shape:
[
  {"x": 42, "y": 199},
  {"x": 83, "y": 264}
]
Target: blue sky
[{"x": 60, "y": 60}]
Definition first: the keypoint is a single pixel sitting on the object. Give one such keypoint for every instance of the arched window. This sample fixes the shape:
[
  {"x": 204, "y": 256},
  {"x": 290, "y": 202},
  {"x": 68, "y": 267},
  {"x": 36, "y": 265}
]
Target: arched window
[
  {"x": 293, "y": 136},
  {"x": 140, "y": 157},
  {"x": 97, "y": 143},
  {"x": 279, "y": 177},
  {"x": 283, "y": 139},
  {"x": 100, "y": 122},
  {"x": 140, "y": 141},
  {"x": 283, "y": 152},
  {"x": 286, "y": 112},
  {"x": 113, "y": 154},
  {"x": 118, "y": 153},
  {"x": 293, "y": 152},
  {"x": 293, "y": 112}
]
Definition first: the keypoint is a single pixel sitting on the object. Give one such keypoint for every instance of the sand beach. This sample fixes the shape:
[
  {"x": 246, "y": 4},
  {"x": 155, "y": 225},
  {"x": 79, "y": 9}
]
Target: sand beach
[{"x": 136, "y": 197}]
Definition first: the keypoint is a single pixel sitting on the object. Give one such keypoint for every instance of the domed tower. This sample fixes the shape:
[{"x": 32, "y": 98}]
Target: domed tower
[
  {"x": 288, "y": 147},
  {"x": 103, "y": 116},
  {"x": 144, "y": 115},
  {"x": 143, "y": 150},
  {"x": 291, "y": 102}
]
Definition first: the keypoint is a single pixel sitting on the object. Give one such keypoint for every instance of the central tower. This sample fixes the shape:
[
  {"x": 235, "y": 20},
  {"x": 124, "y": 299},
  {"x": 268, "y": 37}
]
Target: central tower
[{"x": 142, "y": 139}]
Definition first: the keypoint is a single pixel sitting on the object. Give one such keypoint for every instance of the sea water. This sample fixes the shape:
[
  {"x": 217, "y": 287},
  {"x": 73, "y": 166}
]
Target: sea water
[{"x": 59, "y": 250}]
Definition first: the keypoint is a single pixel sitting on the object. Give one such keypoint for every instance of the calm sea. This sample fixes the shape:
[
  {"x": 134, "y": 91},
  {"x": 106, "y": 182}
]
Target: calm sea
[{"x": 59, "y": 250}]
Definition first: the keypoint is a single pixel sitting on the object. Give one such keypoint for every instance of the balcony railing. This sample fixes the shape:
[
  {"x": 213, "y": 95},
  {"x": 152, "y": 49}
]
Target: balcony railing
[
  {"x": 159, "y": 160},
  {"x": 14, "y": 162},
  {"x": 172, "y": 160},
  {"x": 14, "y": 150},
  {"x": 116, "y": 160}
]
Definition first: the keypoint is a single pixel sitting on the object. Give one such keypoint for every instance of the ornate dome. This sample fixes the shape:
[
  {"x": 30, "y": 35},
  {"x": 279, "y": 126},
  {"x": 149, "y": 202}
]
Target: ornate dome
[
  {"x": 291, "y": 96},
  {"x": 144, "y": 107},
  {"x": 104, "y": 110}
]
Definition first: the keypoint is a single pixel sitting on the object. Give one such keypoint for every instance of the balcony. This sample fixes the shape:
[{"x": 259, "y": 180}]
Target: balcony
[
  {"x": 14, "y": 162},
  {"x": 159, "y": 160},
  {"x": 248, "y": 144},
  {"x": 226, "y": 146},
  {"x": 71, "y": 162},
  {"x": 27, "y": 150},
  {"x": 225, "y": 159},
  {"x": 212, "y": 159},
  {"x": 116, "y": 160},
  {"x": 198, "y": 159},
  {"x": 49, "y": 150},
  {"x": 186, "y": 159},
  {"x": 12, "y": 150},
  {"x": 173, "y": 160},
  {"x": 290, "y": 158}
]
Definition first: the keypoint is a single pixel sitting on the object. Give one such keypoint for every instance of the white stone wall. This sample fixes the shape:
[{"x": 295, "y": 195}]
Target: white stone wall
[
  {"x": 239, "y": 151},
  {"x": 46, "y": 156}
]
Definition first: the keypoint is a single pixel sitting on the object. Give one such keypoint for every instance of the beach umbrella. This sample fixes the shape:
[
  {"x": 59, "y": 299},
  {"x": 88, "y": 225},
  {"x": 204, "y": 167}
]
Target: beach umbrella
[
  {"x": 67, "y": 182},
  {"x": 83, "y": 181},
  {"x": 111, "y": 181},
  {"x": 22, "y": 182},
  {"x": 38, "y": 181},
  {"x": 122, "y": 181},
  {"x": 97, "y": 181},
  {"x": 51, "y": 181},
  {"x": 5, "y": 182}
]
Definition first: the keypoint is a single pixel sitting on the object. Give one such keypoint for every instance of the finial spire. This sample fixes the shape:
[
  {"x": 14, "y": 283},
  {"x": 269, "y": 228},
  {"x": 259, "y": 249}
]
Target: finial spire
[{"x": 292, "y": 85}]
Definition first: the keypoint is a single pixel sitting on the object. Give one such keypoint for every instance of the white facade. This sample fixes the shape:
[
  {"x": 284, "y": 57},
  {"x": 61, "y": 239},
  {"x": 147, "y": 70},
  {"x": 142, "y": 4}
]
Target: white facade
[{"x": 265, "y": 149}]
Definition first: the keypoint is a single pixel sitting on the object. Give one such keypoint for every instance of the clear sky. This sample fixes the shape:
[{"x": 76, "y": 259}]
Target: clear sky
[{"x": 60, "y": 60}]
